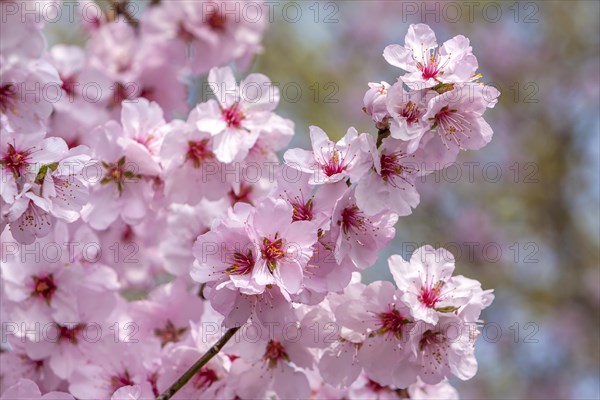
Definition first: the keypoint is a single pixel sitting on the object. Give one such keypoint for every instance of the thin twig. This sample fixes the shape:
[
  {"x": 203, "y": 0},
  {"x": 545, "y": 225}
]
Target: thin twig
[{"x": 189, "y": 374}]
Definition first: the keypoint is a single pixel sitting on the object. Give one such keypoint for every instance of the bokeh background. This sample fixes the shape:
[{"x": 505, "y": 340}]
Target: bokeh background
[{"x": 522, "y": 215}]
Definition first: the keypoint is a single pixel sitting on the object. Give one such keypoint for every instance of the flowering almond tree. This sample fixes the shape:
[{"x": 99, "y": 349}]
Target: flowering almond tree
[{"x": 150, "y": 250}]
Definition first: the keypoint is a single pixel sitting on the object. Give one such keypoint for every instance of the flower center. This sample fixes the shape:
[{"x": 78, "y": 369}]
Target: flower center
[
  {"x": 353, "y": 219},
  {"x": 243, "y": 195},
  {"x": 204, "y": 378},
  {"x": 118, "y": 173},
  {"x": 234, "y": 116},
  {"x": 68, "y": 84},
  {"x": 170, "y": 333},
  {"x": 452, "y": 126},
  {"x": 120, "y": 380},
  {"x": 272, "y": 251},
  {"x": 302, "y": 211},
  {"x": 429, "y": 296},
  {"x": 241, "y": 264},
  {"x": 216, "y": 21},
  {"x": 44, "y": 287},
  {"x": 16, "y": 161},
  {"x": 274, "y": 353},
  {"x": 198, "y": 152},
  {"x": 8, "y": 98},
  {"x": 334, "y": 164},
  {"x": 430, "y": 68},
  {"x": 431, "y": 338},
  {"x": 392, "y": 322},
  {"x": 410, "y": 112},
  {"x": 392, "y": 168},
  {"x": 70, "y": 334}
]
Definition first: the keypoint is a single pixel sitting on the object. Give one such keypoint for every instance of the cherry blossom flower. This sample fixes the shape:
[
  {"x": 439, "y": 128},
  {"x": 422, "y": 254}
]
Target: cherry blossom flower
[
  {"x": 185, "y": 224},
  {"x": 166, "y": 314},
  {"x": 330, "y": 162},
  {"x": 120, "y": 190},
  {"x": 116, "y": 365},
  {"x": 386, "y": 326},
  {"x": 27, "y": 389},
  {"x": 428, "y": 285},
  {"x": 209, "y": 33},
  {"x": 426, "y": 63},
  {"x": 358, "y": 236},
  {"x": 27, "y": 91},
  {"x": 239, "y": 114},
  {"x": 375, "y": 100},
  {"x": 407, "y": 111},
  {"x": 392, "y": 184},
  {"x": 456, "y": 116}
]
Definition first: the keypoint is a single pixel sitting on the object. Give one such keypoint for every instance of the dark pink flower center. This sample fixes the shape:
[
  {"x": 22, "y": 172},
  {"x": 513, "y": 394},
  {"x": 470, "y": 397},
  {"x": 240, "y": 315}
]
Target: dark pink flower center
[
  {"x": 430, "y": 295},
  {"x": 241, "y": 264},
  {"x": 430, "y": 68},
  {"x": 204, "y": 378},
  {"x": 199, "y": 152},
  {"x": 303, "y": 211},
  {"x": 120, "y": 380},
  {"x": 243, "y": 196},
  {"x": 44, "y": 287},
  {"x": 170, "y": 333},
  {"x": 216, "y": 21},
  {"x": 272, "y": 251},
  {"x": 334, "y": 164},
  {"x": 392, "y": 322},
  {"x": 69, "y": 83},
  {"x": 15, "y": 160},
  {"x": 353, "y": 219},
  {"x": 274, "y": 353},
  {"x": 70, "y": 334},
  {"x": 452, "y": 126},
  {"x": 393, "y": 165},
  {"x": 410, "y": 111},
  {"x": 234, "y": 116}
]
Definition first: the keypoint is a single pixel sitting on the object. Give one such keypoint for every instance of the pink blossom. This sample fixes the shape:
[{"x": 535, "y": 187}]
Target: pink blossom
[
  {"x": 209, "y": 32},
  {"x": 166, "y": 314},
  {"x": 358, "y": 236},
  {"x": 392, "y": 184},
  {"x": 123, "y": 188},
  {"x": 407, "y": 111},
  {"x": 426, "y": 63},
  {"x": 385, "y": 325},
  {"x": 185, "y": 224},
  {"x": 330, "y": 162},
  {"x": 429, "y": 287},
  {"x": 239, "y": 114},
  {"x": 375, "y": 101},
  {"x": 27, "y": 91},
  {"x": 26, "y": 389},
  {"x": 456, "y": 116}
]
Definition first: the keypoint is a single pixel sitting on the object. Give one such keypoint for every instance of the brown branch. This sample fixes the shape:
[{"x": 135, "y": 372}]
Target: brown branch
[{"x": 189, "y": 374}]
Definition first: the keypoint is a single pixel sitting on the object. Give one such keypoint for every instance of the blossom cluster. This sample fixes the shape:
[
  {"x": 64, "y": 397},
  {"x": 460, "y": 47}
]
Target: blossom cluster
[{"x": 136, "y": 229}]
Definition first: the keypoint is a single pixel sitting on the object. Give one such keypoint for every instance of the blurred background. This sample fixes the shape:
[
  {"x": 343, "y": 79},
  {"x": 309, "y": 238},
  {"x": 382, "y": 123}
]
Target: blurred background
[{"x": 522, "y": 215}]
